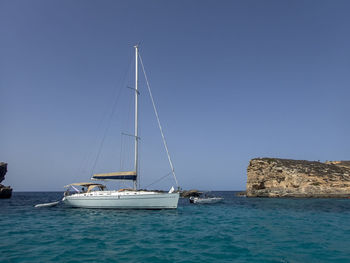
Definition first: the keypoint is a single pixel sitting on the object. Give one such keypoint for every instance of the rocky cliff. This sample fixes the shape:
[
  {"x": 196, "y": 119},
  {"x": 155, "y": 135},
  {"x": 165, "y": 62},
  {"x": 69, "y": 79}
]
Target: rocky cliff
[
  {"x": 272, "y": 177},
  {"x": 5, "y": 191},
  {"x": 3, "y": 171}
]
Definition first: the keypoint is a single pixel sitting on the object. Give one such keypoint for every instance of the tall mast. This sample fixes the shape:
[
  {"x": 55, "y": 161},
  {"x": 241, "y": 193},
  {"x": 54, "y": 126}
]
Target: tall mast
[{"x": 136, "y": 116}]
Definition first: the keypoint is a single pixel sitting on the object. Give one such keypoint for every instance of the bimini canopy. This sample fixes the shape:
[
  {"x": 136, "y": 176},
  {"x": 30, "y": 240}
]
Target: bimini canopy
[
  {"x": 89, "y": 186},
  {"x": 83, "y": 184},
  {"x": 115, "y": 176}
]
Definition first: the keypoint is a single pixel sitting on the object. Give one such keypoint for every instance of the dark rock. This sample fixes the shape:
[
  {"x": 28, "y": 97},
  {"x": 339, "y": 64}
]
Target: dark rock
[
  {"x": 3, "y": 171},
  {"x": 189, "y": 193},
  {"x": 5, "y": 191},
  {"x": 241, "y": 194}
]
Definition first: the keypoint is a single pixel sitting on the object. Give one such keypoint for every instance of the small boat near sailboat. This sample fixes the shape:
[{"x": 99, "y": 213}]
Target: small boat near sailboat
[
  {"x": 94, "y": 195},
  {"x": 205, "y": 199}
]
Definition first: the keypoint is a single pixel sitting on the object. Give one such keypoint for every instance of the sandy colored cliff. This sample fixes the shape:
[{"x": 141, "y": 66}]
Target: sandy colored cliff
[{"x": 272, "y": 177}]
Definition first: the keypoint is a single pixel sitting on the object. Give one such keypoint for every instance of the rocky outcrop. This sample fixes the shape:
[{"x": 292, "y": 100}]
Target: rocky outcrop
[
  {"x": 5, "y": 191},
  {"x": 190, "y": 193},
  {"x": 3, "y": 171},
  {"x": 272, "y": 177},
  {"x": 345, "y": 164}
]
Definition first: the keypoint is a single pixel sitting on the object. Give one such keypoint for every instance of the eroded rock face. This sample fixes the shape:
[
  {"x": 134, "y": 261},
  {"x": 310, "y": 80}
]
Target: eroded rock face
[
  {"x": 5, "y": 191},
  {"x": 272, "y": 177},
  {"x": 3, "y": 171}
]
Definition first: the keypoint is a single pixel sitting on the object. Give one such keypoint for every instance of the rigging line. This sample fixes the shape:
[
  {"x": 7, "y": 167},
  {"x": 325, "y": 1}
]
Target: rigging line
[
  {"x": 105, "y": 132},
  {"x": 110, "y": 120},
  {"x": 159, "y": 180},
  {"x": 89, "y": 154},
  {"x": 160, "y": 126},
  {"x": 124, "y": 144}
]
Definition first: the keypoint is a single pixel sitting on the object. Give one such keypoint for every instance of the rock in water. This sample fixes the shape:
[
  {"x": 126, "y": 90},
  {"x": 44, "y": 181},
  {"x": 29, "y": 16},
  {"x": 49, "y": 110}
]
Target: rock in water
[
  {"x": 5, "y": 191},
  {"x": 272, "y": 177}
]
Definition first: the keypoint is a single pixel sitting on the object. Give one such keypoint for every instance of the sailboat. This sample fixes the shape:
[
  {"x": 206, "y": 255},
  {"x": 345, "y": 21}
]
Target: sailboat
[{"x": 95, "y": 195}]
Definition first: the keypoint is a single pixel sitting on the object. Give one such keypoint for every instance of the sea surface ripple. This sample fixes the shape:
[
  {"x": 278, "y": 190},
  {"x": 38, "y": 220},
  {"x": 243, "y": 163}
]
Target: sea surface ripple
[{"x": 237, "y": 230}]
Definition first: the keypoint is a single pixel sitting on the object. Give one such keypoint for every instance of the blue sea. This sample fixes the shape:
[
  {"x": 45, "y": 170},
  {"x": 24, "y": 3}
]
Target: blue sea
[{"x": 238, "y": 230}]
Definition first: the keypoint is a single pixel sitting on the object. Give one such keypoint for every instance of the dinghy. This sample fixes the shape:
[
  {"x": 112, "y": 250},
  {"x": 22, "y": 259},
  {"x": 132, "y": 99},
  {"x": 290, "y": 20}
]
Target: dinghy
[
  {"x": 205, "y": 200},
  {"x": 47, "y": 204}
]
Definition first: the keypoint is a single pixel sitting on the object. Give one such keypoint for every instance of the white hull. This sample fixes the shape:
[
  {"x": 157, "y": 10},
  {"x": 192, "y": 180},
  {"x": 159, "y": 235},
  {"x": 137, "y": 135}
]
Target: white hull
[{"x": 123, "y": 200}]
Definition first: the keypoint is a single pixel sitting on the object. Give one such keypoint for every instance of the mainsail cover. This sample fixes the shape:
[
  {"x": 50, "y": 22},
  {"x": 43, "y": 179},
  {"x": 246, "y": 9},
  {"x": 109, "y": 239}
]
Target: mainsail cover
[{"x": 115, "y": 176}]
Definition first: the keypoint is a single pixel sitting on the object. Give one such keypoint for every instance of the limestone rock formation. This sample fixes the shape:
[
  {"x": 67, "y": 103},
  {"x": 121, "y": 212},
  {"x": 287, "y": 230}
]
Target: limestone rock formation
[
  {"x": 5, "y": 191},
  {"x": 272, "y": 177}
]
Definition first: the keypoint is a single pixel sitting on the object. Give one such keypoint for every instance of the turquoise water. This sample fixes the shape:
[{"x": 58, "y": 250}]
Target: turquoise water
[{"x": 238, "y": 230}]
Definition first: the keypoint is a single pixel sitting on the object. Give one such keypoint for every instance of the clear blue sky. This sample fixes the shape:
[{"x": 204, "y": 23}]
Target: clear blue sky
[{"x": 233, "y": 80}]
